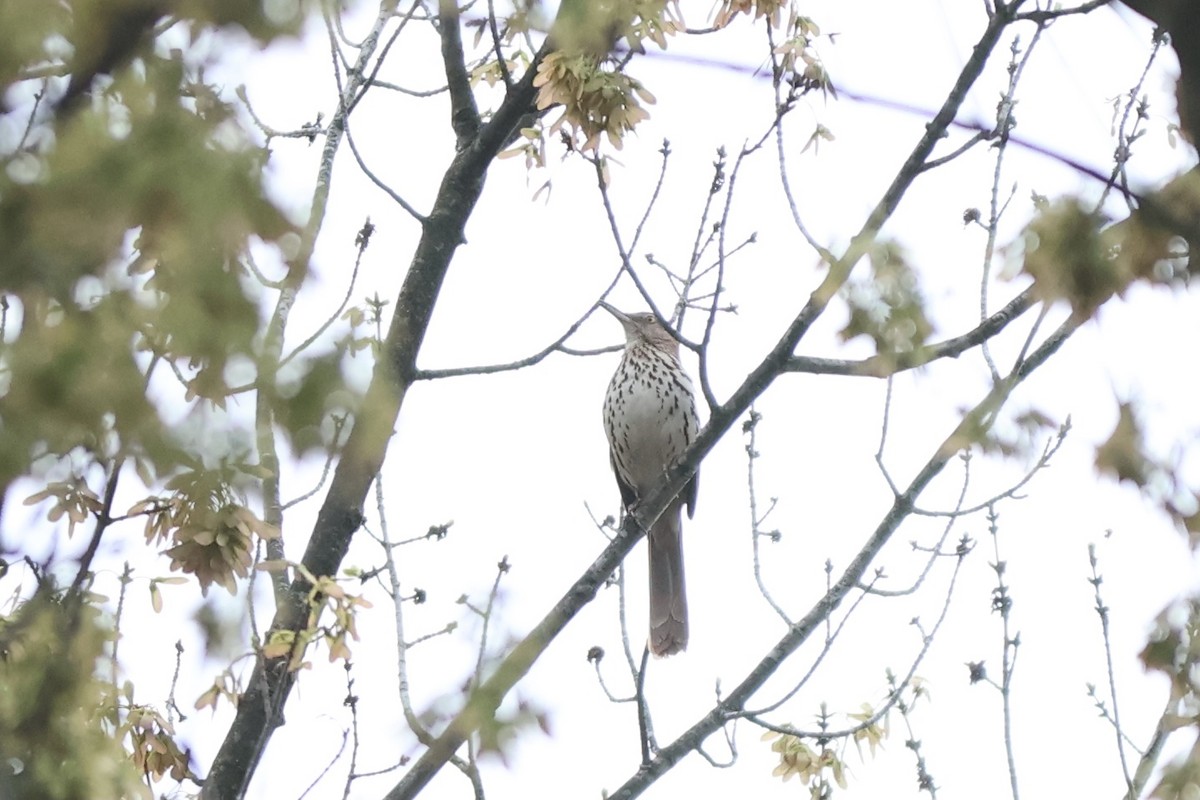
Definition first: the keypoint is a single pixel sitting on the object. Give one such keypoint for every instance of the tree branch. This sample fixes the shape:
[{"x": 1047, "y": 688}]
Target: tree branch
[
  {"x": 1149, "y": 759},
  {"x": 487, "y": 697},
  {"x": 103, "y": 520},
  {"x": 799, "y": 633},
  {"x": 341, "y": 513},
  {"x": 464, "y": 115},
  {"x": 1046, "y": 15},
  {"x": 885, "y": 365}
]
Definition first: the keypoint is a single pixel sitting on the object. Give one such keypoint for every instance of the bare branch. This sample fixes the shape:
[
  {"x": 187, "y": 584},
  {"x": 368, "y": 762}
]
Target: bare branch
[
  {"x": 935, "y": 551},
  {"x": 464, "y": 115},
  {"x": 665, "y": 152},
  {"x": 1051, "y": 447},
  {"x": 803, "y": 629},
  {"x": 1005, "y": 122},
  {"x": 521, "y": 659},
  {"x": 410, "y": 92},
  {"x": 886, "y": 365},
  {"x": 103, "y": 520},
  {"x": 1149, "y": 759},
  {"x": 375, "y": 179},
  {"x": 271, "y": 357},
  {"x": 894, "y": 696},
  {"x": 495, "y": 31},
  {"x": 341, "y": 513},
  {"x": 1010, "y": 644},
  {"x": 1102, "y": 611},
  {"x": 750, "y": 428},
  {"x": 489, "y": 369},
  {"x": 339, "y": 422},
  {"x": 831, "y": 634},
  {"x": 1042, "y": 16}
]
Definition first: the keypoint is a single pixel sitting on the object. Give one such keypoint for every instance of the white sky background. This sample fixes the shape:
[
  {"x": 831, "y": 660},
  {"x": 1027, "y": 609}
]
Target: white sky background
[{"x": 512, "y": 459}]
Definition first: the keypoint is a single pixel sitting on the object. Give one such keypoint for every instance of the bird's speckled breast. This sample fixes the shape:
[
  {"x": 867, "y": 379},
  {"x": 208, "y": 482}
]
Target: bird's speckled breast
[{"x": 649, "y": 414}]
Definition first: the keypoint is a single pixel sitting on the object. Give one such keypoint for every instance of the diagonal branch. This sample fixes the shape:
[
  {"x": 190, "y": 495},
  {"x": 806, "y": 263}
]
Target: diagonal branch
[
  {"x": 885, "y": 365},
  {"x": 103, "y": 520},
  {"x": 487, "y": 697},
  {"x": 271, "y": 357},
  {"x": 259, "y": 711},
  {"x": 464, "y": 115},
  {"x": 495, "y": 31},
  {"x": 1046, "y": 15},
  {"x": 1149, "y": 760},
  {"x": 902, "y": 505}
]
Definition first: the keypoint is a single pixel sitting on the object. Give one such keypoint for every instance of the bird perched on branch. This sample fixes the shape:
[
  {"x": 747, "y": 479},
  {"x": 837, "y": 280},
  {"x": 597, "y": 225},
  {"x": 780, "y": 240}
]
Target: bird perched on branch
[{"x": 650, "y": 419}]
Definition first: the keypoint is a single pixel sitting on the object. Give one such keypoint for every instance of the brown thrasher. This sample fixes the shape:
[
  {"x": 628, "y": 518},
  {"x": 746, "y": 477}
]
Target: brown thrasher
[{"x": 650, "y": 418}]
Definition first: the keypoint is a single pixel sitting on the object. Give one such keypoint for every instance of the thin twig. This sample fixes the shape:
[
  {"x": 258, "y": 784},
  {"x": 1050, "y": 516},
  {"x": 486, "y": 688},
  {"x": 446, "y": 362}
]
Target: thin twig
[
  {"x": 351, "y": 701},
  {"x": 495, "y": 31},
  {"x": 1126, "y": 135},
  {"x": 889, "y": 364},
  {"x": 402, "y": 645},
  {"x": 103, "y": 521},
  {"x": 125, "y": 579},
  {"x": 1048, "y": 451},
  {"x": 1102, "y": 611},
  {"x": 1049, "y": 14},
  {"x": 893, "y": 697},
  {"x": 328, "y": 766},
  {"x": 557, "y": 346},
  {"x": 1002, "y": 605},
  {"x": 750, "y": 428},
  {"x": 665, "y": 152},
  {"x": 1005, "y": 122},
  {"x": 1149, "y": 759},
  {"x": 364, "y": 238},
  {"x": 935, "y": 552}
]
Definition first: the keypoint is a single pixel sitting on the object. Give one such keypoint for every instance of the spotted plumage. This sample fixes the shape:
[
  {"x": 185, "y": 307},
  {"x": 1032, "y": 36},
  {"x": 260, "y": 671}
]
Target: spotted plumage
[{"x": 650, "y": 419}]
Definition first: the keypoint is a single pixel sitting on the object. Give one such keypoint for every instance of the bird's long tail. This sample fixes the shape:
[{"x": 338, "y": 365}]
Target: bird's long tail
[{"x": 668, "y": 601}]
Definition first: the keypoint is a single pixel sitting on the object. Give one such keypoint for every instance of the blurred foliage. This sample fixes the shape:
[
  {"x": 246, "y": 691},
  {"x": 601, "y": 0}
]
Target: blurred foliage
[
  {"x": 56, "y": 730},
  {"x": 887, "y": 307},
  {"x": 499, "y": 731},
  {"x": 130, "y": 196},
  {"x": 1125, "y": 456},
  {"x": 1174, "y": 650},
  {"x": 1067, "y": 259},
  {"x": 34, "y": 34},
  {"x": 593, "y": 27},
  {"x": 1122, "y": 454},
  {"x": 1074, "y": 257},
  {"x": 146, "y": 163}
]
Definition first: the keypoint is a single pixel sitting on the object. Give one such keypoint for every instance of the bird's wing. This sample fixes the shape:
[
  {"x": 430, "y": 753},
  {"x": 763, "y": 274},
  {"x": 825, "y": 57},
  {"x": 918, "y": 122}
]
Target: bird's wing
[
  {"x": 628, "y": 495},
  {"x": 689, "y": 493}
]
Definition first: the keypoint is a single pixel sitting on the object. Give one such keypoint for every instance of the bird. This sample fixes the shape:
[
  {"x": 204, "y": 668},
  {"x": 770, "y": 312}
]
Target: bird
[{"x": 650, "y": 419}]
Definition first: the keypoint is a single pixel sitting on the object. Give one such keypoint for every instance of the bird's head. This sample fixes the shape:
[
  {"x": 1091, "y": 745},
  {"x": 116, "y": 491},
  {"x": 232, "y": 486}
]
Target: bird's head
[{"x": 643, "y": 327}]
